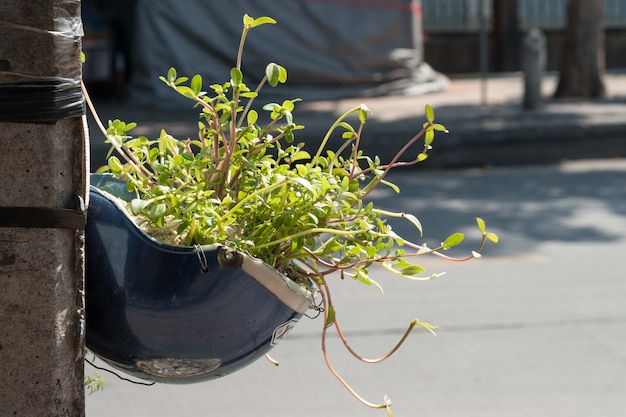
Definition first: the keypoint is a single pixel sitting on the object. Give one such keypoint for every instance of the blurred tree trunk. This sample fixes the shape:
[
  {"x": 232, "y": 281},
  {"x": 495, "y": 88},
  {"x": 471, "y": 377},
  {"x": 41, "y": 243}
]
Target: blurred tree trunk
[
  {"x": 506, "y": 35},
  {"x": 582, "y": 57}
]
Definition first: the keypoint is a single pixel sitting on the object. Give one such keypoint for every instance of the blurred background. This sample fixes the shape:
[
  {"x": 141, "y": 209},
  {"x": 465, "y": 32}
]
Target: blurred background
[
  {"x": 533, "y": 93},
  {"x": 371, "y": 39}
]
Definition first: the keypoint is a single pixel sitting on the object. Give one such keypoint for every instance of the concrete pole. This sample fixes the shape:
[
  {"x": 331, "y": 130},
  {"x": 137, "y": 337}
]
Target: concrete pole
[{"x": 42, "y": 187}]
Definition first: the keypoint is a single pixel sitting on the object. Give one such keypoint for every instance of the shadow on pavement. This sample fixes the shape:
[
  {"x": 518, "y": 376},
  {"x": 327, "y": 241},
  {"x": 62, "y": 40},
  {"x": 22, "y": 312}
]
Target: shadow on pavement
[{"x": 568, "y": 203}]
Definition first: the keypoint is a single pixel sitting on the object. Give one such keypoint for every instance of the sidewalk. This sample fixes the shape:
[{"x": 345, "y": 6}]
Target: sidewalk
[{"x": 498, "y": 133}]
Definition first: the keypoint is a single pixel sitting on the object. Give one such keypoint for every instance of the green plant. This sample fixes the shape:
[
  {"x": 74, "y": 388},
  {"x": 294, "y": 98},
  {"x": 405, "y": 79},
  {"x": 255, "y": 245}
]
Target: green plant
[
  {"x": 94, "y": 382},
  {"x": 246, "y": 183}
]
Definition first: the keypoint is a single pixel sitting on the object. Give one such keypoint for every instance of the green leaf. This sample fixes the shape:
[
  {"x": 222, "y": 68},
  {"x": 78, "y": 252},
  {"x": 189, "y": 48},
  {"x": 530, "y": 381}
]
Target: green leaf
[
  {"x": 440, "y": 128},
  {"x": 247, "y": 20},
  {"x": 263, "y": 20},
  {"x": 236, "y": 75},
  {"x": 421, "y": 157},
  {"x": 252, "y": 117},
  {"x": 115, "y": 140},
  {"x": 430, "y": 114},
  {"x": 306, "y": 184},
  {"x": 288, "y": 105},
  {"x": 282, "y": 77},
  {"x": 137, "y": 205},
  {"x": 429, "y": 137},
  {"x": 481, "y": 225},
  {"x": 288, "y": 116},
  {"x": 330, "y": 319},
  {"x": 415, "y": 221},
  {"x": 346, "y": 126},
  {"x": 300, "y": 155},
  {"x": 159, "y": 210},
  {"x": 275, "y": 74},
  {"x": 493, "y": 237},
  {"x": 271, "y": 106},
  {"x": 196, "y": 84},
  {"x": 325, "y": 185},
  {"x": 363, "y": 113},
  {"x": 412, "y": 270},
  {"x": 186, "y": 91},
  {"x": 115, "y": 164},
  {"x": 425, "y": 325},
  {"x": 171, "y": 75},
  {"x": 277, "y": 222},
  {"x": 362, "y": 277},
  {"x": 391, "y": 185},
  {"x": 181, "y": 80},
  {"x": 453, "y": 240}
]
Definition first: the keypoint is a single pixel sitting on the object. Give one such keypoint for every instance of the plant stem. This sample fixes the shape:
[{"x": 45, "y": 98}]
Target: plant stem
[
  {"x": 343, "y": 146},
  {"x": 408, "y": 331},
  {"x": 253, "y": 195},
  {"x": 92, "y": 108},
  {"x": 355, "y": 150},
  {"x": 312, "y": 231},
  {"x": 128, "y": 157},
  {"x": 242, "y": 41},
  {"x": 332, "y": 129},
  {"x": 391, "y": 164},
  {"x": 325, "y": 292},
  {"x": 249, "y": 104}
]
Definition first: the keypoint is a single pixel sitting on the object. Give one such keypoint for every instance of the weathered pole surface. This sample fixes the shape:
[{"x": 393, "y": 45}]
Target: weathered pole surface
[{"x": 42, "y": 192}]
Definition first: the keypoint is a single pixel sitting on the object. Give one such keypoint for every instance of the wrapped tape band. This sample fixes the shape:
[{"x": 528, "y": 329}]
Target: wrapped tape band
[
  {"x": 40, "y": 102},
  {"x": 38, "y": 87},
  {"x": 41, "y": 218}
]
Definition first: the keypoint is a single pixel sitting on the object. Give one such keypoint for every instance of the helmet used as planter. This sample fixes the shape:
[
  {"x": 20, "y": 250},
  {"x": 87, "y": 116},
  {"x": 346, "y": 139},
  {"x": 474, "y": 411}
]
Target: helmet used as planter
[{"x": 177, "y": 314}]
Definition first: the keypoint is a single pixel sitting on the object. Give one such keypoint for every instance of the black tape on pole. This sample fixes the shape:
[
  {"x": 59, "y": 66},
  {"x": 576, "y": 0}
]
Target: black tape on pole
[
  {"x": 42, "y": 218},
  {"x": 40, "y": 102}
]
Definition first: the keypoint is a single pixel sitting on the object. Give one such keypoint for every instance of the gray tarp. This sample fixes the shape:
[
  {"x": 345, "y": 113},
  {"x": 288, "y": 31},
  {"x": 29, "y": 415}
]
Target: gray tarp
[{"x": 331, "y": 49}]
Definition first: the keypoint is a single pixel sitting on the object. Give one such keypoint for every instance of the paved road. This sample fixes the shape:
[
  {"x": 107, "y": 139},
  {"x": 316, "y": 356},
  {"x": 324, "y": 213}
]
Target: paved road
[{"x": 537, "y": 327}]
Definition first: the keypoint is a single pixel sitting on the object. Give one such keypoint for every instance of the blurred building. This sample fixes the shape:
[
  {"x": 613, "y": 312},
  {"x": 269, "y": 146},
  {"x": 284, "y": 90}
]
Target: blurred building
[
  {"x": 331, "y": 48},
  {"x": 451, "y": 32}
]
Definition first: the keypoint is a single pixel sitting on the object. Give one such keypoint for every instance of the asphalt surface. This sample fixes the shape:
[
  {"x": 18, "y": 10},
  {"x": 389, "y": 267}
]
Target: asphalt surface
[{"x": 536, "y": 327}]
